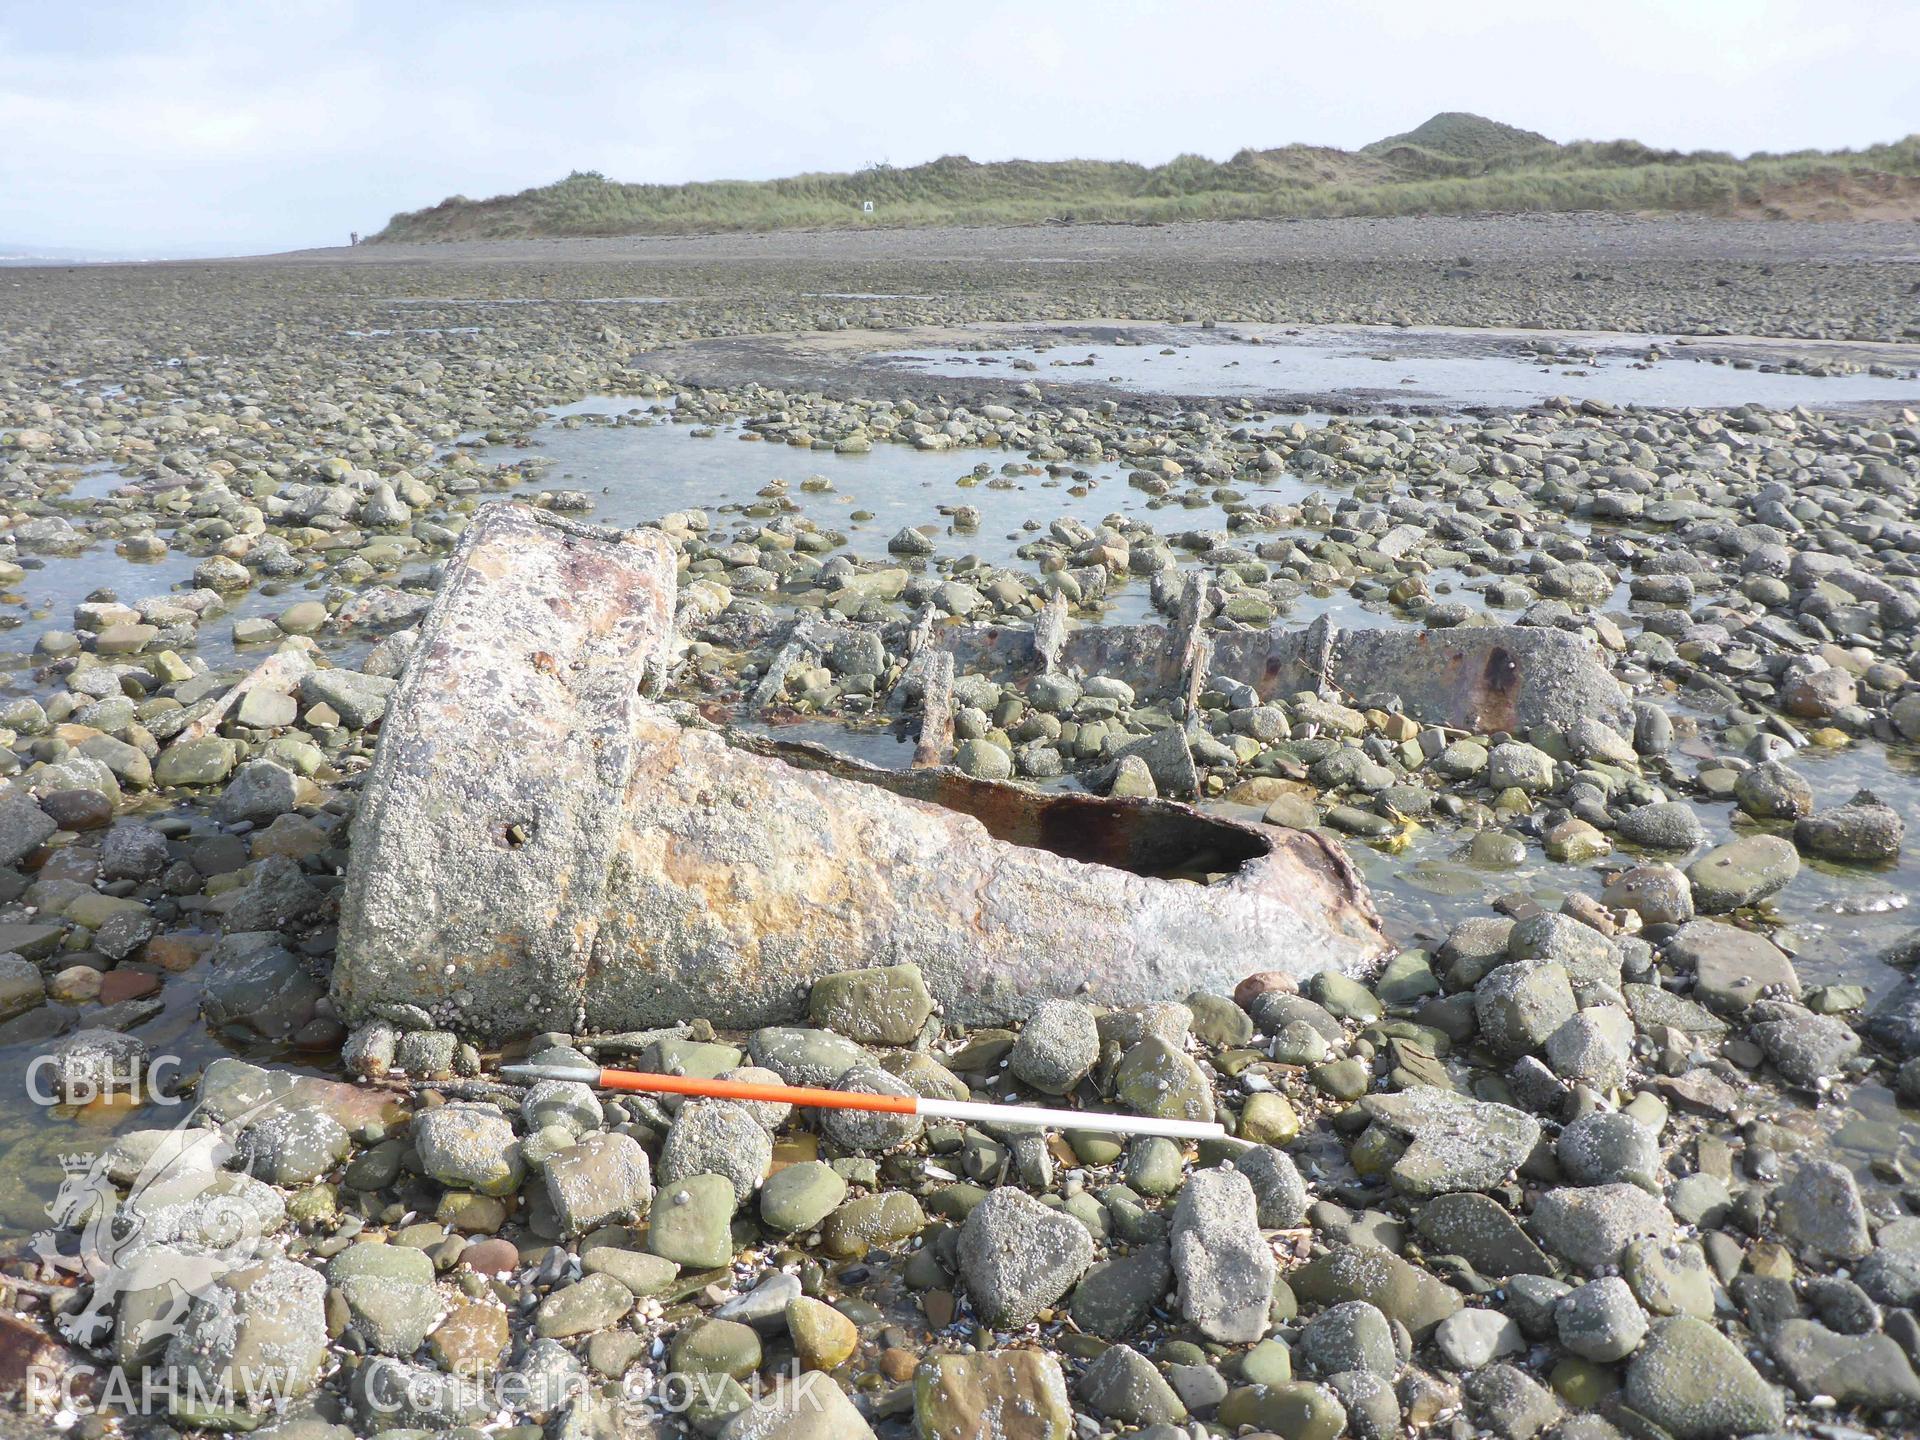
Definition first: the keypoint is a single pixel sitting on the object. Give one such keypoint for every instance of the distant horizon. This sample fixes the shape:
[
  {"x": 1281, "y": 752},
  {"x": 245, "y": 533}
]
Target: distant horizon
[
  {"x": 28, "y": 253},
  {"x": 196, "y": 129}
]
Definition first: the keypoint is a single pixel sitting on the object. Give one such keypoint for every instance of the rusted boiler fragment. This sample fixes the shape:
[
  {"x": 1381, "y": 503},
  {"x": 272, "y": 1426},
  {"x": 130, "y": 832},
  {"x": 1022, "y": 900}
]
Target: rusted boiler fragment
[
  {"x": 1475, "y": 677},
  {"x": 542, "y": 846}
]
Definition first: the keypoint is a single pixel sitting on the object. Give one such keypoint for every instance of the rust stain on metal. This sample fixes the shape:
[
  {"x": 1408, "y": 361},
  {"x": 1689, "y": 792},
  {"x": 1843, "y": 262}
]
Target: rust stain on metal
[
  {"x": 1494, "y": 698},
  {"x": 1475, "y": 677},
  {"x": 936, "y": 713}
]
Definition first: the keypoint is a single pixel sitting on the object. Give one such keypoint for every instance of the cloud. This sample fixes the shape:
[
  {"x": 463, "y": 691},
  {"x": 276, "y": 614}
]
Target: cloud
[{"x": 271, "y": 125}]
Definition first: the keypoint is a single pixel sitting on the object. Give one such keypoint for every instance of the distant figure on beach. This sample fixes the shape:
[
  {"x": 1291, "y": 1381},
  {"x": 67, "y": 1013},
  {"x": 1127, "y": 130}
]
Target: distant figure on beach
[{"x": 353, "y": 237}]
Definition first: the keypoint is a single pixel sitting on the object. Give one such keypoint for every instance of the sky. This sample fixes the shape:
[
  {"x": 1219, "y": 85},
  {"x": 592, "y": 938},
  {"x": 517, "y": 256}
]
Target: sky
[{"x": 169, "y": 127}]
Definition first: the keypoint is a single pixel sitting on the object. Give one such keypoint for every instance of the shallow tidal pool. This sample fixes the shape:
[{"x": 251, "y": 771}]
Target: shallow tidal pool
[{"x": 1445, "y": 369}]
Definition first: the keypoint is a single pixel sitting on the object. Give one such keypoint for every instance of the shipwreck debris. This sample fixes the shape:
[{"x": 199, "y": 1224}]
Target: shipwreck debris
[
  {"x": 1050, "y": 631},
  {"x": 540, "y": 846},
  {"x": 1477, "y": 678},
  {"x": 936, "y": 712}
]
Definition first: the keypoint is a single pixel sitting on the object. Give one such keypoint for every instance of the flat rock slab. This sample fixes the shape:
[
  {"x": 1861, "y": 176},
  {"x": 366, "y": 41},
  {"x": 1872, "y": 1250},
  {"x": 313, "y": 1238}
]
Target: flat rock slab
[
  {"x": 1480, "y": 1231},
  {"x": 1452, "y": 1143},
  {"x": 1734, "y": 967}
]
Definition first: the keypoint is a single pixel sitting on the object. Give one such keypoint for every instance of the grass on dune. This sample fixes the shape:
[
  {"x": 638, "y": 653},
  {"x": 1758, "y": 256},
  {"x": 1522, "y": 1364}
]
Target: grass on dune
[{"x": 1454, "y": 164}]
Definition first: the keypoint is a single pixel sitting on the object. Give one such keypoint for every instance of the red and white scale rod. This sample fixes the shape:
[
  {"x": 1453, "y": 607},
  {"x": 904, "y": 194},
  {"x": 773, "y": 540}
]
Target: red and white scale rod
[{"x": 1026, "y": 1116}]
